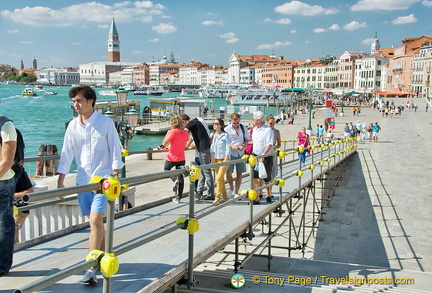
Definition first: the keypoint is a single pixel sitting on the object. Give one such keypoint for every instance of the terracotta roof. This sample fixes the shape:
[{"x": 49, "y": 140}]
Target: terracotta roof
[{"x": 385, "y": 52}]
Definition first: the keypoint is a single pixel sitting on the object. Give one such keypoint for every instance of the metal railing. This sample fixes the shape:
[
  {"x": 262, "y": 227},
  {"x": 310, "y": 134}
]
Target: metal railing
[{"x": 329, "y": 154}]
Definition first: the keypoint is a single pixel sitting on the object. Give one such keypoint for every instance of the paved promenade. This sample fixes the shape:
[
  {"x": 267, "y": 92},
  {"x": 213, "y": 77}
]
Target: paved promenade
[{"x": 381, "y": 214}]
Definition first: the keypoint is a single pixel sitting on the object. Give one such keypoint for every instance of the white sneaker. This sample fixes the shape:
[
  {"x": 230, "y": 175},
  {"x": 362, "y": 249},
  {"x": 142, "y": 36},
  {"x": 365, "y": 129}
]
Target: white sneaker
[
  {"x": 230, "y": 193},
  {"x": 176, "y": 186},
  {"x": 90, "y": 277},
  {"x": 176, "y": 200}
]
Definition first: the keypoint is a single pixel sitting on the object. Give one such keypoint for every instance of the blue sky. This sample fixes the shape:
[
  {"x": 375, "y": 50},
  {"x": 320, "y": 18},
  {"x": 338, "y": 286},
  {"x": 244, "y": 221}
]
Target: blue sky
[{"x": 73, "y": 32}]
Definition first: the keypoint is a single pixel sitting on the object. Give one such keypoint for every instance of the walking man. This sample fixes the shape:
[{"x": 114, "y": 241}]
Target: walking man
[
  {"x": 263, "y": 140},
  {"x": 201, "y": 139},
  {"x": 239, "y": 137},
  {"x": 8, "y": 140},
  {"x": 376, "y": 129},
  {"x": 92, "y": 140}
]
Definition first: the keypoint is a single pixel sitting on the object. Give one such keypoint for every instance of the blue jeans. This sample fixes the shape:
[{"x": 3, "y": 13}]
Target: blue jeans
[
  {"x": 207, "y": 179},
  {"x": 302, "y": 156},
  {"x": 7, "y": 224}
]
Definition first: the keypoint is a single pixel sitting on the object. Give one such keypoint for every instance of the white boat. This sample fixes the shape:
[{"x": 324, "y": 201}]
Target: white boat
[
  {"x": 28, "y": 92},
  {"x": 189, "y": 92},
  {"x": 219, "y": 92},
  {"x": 107, "y": 93},
  {"x": 259, "y": 97},
  {"x": 151, "y": 91},
  {"x": 129, "y": 88},
  {"x": 50, "y": 93}
]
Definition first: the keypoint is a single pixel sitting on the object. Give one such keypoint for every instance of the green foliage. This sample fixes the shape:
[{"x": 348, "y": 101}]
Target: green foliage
[{"x": 23, "y": 77}]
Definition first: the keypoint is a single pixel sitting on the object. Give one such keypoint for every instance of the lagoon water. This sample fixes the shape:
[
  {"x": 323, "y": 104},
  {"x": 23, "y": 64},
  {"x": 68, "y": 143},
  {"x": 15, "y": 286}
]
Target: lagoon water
[{"x": 42, "y": 118}]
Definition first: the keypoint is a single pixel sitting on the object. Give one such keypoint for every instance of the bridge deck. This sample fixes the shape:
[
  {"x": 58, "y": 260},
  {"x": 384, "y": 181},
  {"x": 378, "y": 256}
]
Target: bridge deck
[{"x": 160, "y": 262}]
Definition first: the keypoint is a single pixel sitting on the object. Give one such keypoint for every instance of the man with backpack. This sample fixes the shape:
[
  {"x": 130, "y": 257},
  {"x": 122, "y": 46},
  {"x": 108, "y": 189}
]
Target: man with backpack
[{"x": 8, "y": 137}]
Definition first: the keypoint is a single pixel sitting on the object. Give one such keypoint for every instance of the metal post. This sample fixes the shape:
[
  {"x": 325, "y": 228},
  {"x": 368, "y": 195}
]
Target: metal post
[
  {"x": 251, "y": 203},
  {"x": 309, "y": 129},
  {"x": 109, "y": 240},
  {"x": 190, "y": 281}
]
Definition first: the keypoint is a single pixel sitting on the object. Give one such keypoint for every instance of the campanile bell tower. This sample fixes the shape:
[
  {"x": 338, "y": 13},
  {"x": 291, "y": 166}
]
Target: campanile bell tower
[{"x": 113, "y": 44}]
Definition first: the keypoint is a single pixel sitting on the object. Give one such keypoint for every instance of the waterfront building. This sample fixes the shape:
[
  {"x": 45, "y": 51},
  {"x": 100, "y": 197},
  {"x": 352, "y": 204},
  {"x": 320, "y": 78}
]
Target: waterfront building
[
  {"x": 237, "y": 62},
  {"x": 247, "y": 75},
  {"x": 304, "y": 72},
  {"x": 113, "y": 44},
  {"x": 190, "y": 73},
  {"x": 141, "y": 75},
  {"x": 98, "y": 73},
  {"x": 157, "y": 69},
  {"x": 58, "y": 76},
  {"x": 278, "y": 74},
  {"x": 221, "y": 76},
  {"x": 401, "y": 65},
  {"x": 368, "y": 70},
  {"x": 213, "y": 75},
  {"x": 169, "y": 77},
  {"x": 331, "y": 74},
  {"x": 422, "y": 67},
  {"x": 347, "y": 68}
]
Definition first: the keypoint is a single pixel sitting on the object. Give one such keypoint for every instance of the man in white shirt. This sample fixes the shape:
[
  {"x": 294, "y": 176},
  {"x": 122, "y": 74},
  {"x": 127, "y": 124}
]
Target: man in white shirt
[
  {"x": 263, "y": 139},
  {"x": 239, "y": 136},
  {"x": 7, "y": 187},
  {"x": 92, "y": 140}
]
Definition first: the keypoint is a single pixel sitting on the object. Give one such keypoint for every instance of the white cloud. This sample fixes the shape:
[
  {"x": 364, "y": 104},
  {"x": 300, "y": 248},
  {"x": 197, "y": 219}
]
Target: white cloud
[
  {"x": 304, "y": 9},
  {"x": 293, "y": 31},
  {"x": 232, "y": 41},
  {"x": 212, "y": 22},
  {"x": 155, "y": 40},
  {"x": 363, "y": 5},
  {"x": 367, "y": 42},
  {"x": 405, "y": 19},
  {"x": 272, "y": 46},
  {"x": 354, "y": 25},
  {"x": 103, "y": 26},
  {"x": 164, "y": 28},
  {"x": 137, "y": 52},
  {"x": 230, "y": 37},
  {"x": 126, "y": 11},
  {"x": 278, "y": 21},
  {"x": 283, "y": 21},
  {"x": 427, "y": 3},
  {"x": 25, "y": 43},
  {"x": 13, "y": 31},
  {"x": 334, "y": 27},
  {"x": 319, "y": 30},
  {"x": 76, "y": 44}
]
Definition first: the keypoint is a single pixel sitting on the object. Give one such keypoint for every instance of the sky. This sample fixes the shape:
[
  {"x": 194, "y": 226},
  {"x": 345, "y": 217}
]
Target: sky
[{"x": 74, "y": 32}]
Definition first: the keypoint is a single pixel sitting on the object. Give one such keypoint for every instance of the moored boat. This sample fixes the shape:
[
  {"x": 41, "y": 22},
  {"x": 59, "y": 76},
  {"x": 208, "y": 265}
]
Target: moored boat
[
  {"x": 259, "y": 97},
  {"x": 107, "y": 93}
]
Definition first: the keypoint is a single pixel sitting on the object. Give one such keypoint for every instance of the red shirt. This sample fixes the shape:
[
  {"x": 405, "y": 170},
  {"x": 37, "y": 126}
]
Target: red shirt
[{"x": 177, "y": 139}]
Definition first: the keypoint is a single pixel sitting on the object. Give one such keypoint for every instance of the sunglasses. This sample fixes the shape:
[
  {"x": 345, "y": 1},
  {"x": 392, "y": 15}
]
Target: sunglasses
[
  {"x": 236, "y": 123},
  {"x": 216, "y": 123}
]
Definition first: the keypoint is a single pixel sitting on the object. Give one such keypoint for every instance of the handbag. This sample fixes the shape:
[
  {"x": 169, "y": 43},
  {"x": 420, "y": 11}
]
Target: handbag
[{"x": 262, "y": 173}]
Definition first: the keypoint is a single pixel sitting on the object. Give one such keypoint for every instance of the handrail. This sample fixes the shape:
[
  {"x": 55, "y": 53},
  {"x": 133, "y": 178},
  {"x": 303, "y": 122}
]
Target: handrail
[{"x": 43, "y": 195}]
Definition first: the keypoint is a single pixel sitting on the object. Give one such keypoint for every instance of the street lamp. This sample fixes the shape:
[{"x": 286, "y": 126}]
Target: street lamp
[{"x": 309, "y": 129}]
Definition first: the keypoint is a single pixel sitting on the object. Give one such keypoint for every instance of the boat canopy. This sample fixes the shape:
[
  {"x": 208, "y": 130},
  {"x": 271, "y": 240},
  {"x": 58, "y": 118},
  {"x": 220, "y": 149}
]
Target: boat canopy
[{"x": 296, "y": 89}]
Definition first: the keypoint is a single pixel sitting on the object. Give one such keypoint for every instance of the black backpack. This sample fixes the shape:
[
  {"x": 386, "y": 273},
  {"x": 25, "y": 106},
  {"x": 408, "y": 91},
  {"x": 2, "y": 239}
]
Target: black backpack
[{"x": 18, "y": 165}]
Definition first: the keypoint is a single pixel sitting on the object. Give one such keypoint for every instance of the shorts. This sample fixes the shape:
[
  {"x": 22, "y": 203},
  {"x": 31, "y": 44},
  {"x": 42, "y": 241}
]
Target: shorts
[
  {"x": 91, "y": 202},
  {"x": 268, "y": 164},
  {"x": 375, "y": 134},
  {"x": 240, "y": 167}
]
